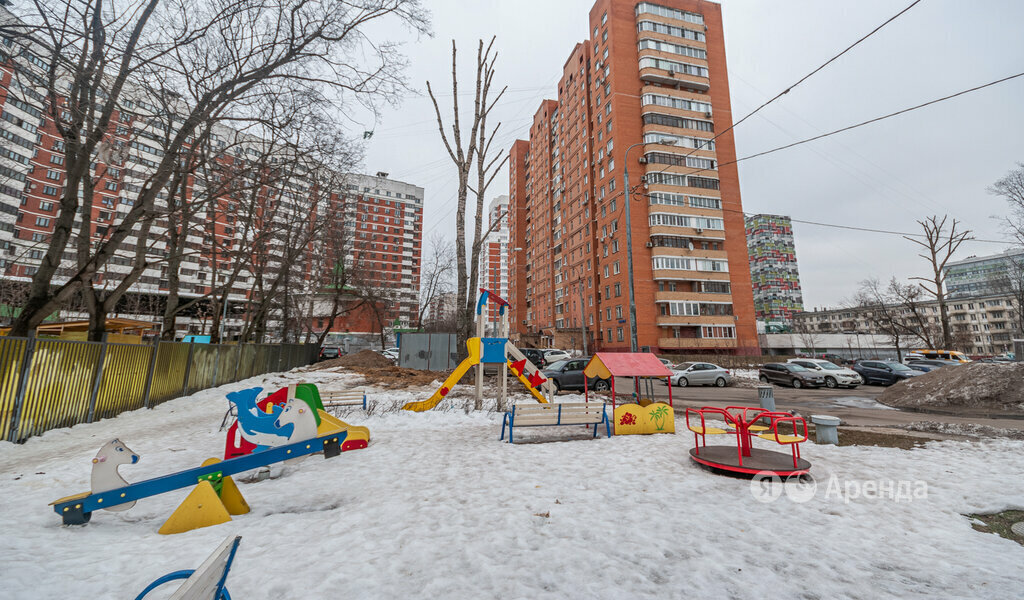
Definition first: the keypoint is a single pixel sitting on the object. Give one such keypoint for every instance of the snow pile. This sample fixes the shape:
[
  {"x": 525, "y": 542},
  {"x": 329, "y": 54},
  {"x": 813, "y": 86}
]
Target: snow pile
[
  {"x": 438, "y": 507},
  {"x": 745, "y": 378},
  {"x": 971, "y": 388}
]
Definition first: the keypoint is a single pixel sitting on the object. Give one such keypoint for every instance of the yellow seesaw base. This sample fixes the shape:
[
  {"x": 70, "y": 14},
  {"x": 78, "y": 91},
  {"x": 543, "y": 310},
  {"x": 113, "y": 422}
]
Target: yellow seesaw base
[{"x": 201, "y": 508}]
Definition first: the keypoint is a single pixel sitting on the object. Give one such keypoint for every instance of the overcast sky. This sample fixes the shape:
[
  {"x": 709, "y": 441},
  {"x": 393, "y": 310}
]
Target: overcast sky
[{"x": 938, "y": 160}]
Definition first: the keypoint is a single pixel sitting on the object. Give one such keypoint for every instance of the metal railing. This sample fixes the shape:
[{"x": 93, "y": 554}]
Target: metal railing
[{"x": 48, "y": 383}]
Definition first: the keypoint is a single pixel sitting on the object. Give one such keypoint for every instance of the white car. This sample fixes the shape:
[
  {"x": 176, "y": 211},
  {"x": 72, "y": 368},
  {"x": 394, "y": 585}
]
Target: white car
[
  {"x": 835, "y": 376},
  {"x": 390, "y": 354},
  {"x": 700, "y": 373},
  {"x": 551, "y": 356}
]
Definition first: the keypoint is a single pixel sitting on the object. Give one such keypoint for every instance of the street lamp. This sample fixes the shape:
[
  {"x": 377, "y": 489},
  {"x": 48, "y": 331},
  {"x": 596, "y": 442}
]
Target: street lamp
[{"x": 633, "y": 345}]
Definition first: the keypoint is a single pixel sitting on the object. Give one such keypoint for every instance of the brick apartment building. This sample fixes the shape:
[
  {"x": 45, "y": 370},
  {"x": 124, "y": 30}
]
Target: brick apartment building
[
  {"x": 381, "y": 219},
  {"x": 773, "y": 270},
  {"x": 652, "y": 75}
]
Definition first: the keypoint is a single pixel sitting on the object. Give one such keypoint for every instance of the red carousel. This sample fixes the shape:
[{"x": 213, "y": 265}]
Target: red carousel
[{"x": 745, "y": 422}]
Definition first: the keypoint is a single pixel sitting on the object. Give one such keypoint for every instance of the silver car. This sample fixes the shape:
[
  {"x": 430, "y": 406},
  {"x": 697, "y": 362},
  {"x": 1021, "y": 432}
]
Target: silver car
[{"x": 700, "y": 373}]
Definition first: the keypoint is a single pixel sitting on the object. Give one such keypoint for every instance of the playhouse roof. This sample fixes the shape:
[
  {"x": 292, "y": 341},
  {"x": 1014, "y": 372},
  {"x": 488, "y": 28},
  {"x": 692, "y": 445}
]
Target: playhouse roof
[{"x": 625, "y": 364}]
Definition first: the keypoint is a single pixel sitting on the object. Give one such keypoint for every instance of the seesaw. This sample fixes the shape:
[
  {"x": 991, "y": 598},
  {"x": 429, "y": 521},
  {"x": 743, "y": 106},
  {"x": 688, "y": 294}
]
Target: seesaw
[{"x": 215, "y": 496}]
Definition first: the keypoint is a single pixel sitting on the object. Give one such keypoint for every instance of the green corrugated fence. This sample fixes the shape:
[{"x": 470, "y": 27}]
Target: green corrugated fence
[{"x": 46, "y": 383}]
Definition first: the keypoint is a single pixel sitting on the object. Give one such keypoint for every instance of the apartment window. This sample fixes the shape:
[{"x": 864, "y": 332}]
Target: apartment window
[
  {"x": 618, "y": 292},
  {"x": 54, "y": 175},
  {"x": 615, "y": 268},
  {"x": 49, "y": 190},
  {"x": 718, "y": 332},
  {"x": 675, "y": 263},
  {"x": 679, "y": 32},
  {"x": 604, "y": 18},
  {"x": 46, "y": 206},
  {"x": 705, "y": 202},
  {"x": 650, "y": 62},
  {"x": 680, "y": 122},
  {"x": 42, "y": 221},
  {"x": 618, "y": 333},
  {"x": 663, "y": 46},
  {"x": 670, "y": 13}
]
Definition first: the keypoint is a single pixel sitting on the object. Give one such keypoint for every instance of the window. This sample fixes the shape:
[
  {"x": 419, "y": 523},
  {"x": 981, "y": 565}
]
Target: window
[
  {"x": 42, "y": 221},
  {"x": 705, "y": 202},
  {"x": 680, "y": 141},
  {"x": 663, "y": 46},
  {"x": 681, "y": 122},
  {"x": 675, "y": 263},
  {"x": 671, "y": 13},
  {"x": 54, "y": 175},
  {"x": 665, "y": 28},
  {"x": 618, "y": 333},
  {"x": 678, "y": 220},
  {"x": 718, "y": 332},
  {"x": 694, "y": 162},
  {"x": 46, "y": 206},
  {"x": 650, "y": 62},
  {"x": 618, "y": 293}
]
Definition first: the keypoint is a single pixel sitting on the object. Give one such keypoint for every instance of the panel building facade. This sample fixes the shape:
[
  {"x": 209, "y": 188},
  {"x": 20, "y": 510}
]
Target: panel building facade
[
  {"x": 649, "y": 90},
  {"x": 773, "y": 270}
]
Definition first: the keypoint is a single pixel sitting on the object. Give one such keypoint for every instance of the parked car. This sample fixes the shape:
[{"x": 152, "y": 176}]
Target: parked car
[
  {"x": 555, "y": 355},
  {"x": 884, "y": 372},
  {"x": 834, "y": 359},
  {"x": 936, "y": 355},
  {"x": 535, "y": 356},
  {"x": 835, "y": 376},
  {"x": 698, "y": 373},
  {"x": 568, "y": 375},
  {"x": 667, "y": 363},
  {"x": 790, "y": 374},
  {"x": 930, "y": 365},
  {"x": 328, "y": 352},
  {"x": 390, "y": 354}
]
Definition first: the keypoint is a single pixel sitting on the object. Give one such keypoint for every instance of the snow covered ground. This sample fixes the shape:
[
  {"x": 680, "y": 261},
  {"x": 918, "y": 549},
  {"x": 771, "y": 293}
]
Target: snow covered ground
[{"x": 437, "y": 507}]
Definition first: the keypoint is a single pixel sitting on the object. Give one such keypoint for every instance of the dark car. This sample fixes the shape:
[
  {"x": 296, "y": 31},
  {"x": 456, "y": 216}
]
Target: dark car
[
  {"x": 790, "y": 374},
  {"x": 535, "y": 356},
  {"x": 884, "y": 372},
  {"x": 329, "y": 352},
  {"x": 568, "y": 375}
]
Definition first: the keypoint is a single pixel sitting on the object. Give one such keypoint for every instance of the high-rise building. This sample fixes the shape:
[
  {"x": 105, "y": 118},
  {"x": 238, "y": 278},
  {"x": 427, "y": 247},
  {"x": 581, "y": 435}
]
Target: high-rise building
[
  {"x": 985, "y": 275},
  {"x": 651, "y": 82},
  {"x": 493, "y": 267},
  {"x": 773, "y": 269}
]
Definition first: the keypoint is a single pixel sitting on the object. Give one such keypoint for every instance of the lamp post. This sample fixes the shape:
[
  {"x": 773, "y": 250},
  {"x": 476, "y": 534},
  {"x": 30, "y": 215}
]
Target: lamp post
[{"x": 633, "y": 345}]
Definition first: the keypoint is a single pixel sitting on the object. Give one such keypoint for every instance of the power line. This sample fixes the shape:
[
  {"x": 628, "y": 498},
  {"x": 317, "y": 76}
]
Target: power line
[
  {"x": 883, "y": 117},
  {"x": 822, "y": 66}
]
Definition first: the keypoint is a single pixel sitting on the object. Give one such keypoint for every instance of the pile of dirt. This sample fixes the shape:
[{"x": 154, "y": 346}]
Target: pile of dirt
[
  {"x": 393, "y": 377},
  {"x": 363, "y": 358},
  {"x": 972, "y": 388}
]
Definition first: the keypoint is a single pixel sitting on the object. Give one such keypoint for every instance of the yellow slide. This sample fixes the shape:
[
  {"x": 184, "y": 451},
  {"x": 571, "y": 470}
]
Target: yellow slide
[
  {"x": 526, "y": 382},
  {"x": 473, "y": 345}
]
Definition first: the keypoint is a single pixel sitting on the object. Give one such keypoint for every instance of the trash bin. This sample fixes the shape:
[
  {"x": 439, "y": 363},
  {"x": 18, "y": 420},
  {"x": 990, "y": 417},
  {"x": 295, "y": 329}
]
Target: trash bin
[
  {"x": 826, "y": 429},
  {"x": 766, "y": 397}
]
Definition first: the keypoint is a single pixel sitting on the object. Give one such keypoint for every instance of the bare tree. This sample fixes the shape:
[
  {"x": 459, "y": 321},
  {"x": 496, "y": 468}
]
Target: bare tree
[
  {"x": 464, "y": 159},
  {"x": 808, "y": 337},
  {"x": 436, "y": 274},
  {"x": 939, "y": 246},
  {"x": 221, "y": 55},
  {"x": 1011, "y": 189}
]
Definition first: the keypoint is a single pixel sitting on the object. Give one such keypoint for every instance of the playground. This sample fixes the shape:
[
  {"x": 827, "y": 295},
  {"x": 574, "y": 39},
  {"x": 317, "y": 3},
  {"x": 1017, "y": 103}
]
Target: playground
[{"x": 437, "y": 506}]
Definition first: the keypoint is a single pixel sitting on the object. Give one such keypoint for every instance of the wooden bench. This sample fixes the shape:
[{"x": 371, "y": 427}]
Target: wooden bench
[
  {"x": 567, "y": 413},
  {"x": 332, "y": 399}
]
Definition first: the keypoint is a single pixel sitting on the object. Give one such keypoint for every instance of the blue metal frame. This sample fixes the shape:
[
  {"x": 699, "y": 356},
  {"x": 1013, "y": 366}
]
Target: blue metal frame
[
  {"x": 184, "y": 574},
  {"x": 509, "y": 420},
  {"x": 190, "y": 477}
]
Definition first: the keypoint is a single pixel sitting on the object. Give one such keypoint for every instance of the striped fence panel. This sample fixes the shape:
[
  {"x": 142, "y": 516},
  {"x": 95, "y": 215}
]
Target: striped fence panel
[
  {"x": 59, "y": 386},
  {"x": 12, "y": 352},
  {"x": 123, "y": 385},
  {"x": 168, "y": 372}
]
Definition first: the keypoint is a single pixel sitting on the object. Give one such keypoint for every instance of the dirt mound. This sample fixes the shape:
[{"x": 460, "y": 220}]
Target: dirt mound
[
  {"x": 363, "y": 358},
  {"x": 396, "y": 377},
  {"x": 972, "y": 388}
]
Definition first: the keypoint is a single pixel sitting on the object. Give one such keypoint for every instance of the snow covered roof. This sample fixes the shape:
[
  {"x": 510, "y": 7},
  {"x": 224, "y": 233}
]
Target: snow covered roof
[{"x": 625, "y": 364}]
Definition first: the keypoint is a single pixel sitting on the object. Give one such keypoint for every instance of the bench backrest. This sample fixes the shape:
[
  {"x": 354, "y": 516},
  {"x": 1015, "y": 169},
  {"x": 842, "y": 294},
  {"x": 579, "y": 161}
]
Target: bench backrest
[
  {"x": 208, "y": 580},
  {"x": 342, "y": 395},
  {"x": 567, "y": 413}
]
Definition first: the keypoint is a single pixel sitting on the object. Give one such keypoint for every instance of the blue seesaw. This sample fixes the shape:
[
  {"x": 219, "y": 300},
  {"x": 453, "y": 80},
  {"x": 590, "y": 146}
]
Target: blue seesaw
[{"x": 215, "y": 497}]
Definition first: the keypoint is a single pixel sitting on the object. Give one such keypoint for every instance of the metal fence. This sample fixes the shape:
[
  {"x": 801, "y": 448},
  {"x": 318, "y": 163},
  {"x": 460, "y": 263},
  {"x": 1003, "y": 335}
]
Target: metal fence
[
  {"x": 45, "y": 384},
  {"x": 429, "y": 351}
]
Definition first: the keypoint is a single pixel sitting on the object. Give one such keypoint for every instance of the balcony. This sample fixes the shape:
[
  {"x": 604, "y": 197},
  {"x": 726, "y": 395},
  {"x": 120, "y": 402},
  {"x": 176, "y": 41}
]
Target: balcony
[
  {"x": 673, "y": 78},
  {"x": 695, "y": 343}
]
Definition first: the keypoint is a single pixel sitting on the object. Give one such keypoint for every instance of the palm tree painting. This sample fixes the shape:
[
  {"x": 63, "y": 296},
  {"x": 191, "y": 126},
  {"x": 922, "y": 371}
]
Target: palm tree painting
[{"x": 658, "y": 416}]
